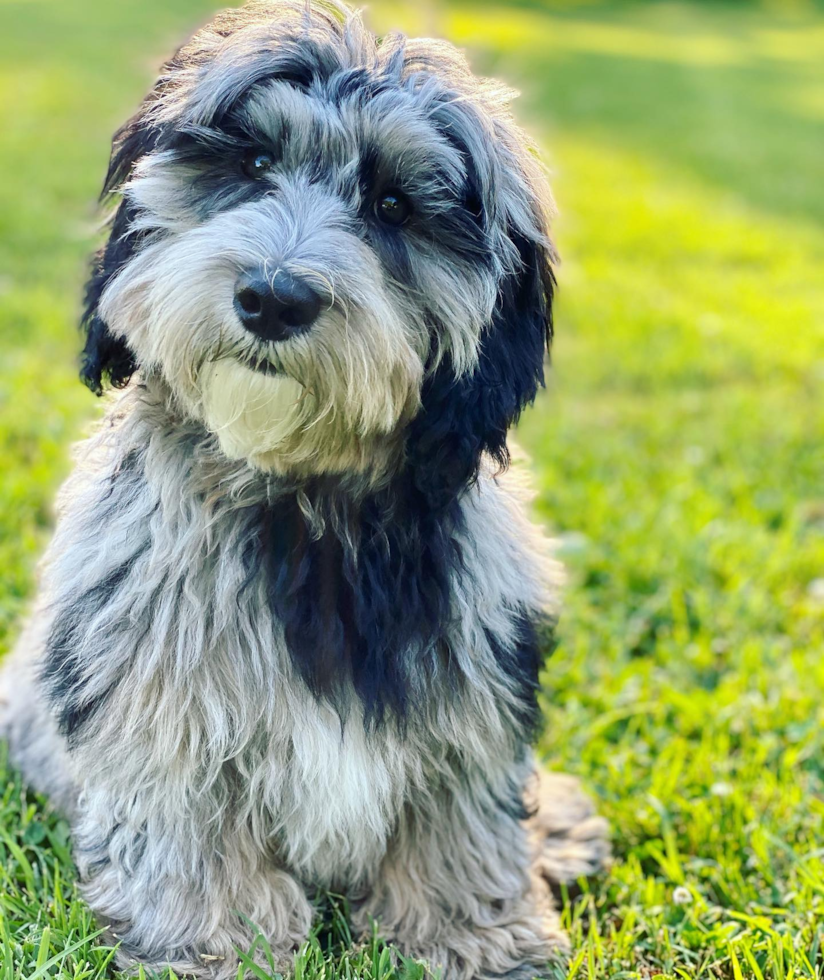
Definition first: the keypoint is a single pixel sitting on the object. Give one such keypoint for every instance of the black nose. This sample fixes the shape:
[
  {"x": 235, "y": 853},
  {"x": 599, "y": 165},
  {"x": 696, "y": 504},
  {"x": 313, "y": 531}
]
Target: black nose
[{"x": 275, "y": 308}]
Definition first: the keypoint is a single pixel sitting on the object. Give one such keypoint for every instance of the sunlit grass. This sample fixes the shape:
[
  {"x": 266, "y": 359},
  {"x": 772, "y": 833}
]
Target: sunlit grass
[{"x": 678, "y": 453}]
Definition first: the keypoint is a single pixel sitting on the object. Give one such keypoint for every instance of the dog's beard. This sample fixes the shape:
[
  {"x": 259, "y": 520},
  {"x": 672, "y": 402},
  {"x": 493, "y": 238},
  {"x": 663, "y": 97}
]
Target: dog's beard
[
  {"x": 324, "y": 424},
  {"x": 252, "y": 414}
]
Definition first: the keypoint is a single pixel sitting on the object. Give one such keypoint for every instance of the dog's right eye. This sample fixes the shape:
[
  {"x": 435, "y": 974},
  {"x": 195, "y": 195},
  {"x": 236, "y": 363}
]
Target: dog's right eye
[{"x": 257, "y": 163}]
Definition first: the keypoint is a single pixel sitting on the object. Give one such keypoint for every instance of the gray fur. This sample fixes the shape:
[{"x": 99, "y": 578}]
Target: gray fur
[{"x": 209, "y": 779}]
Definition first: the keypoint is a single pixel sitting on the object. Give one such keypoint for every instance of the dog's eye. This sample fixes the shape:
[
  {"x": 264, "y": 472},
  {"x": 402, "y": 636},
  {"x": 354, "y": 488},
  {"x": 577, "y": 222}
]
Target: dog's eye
[
  {"x": 257, "y": 163},
  {"x": 393, "y": 208}
]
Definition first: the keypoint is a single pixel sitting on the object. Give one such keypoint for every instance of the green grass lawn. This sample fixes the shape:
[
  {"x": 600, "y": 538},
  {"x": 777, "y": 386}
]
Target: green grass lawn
[{"x": 679, "y": 452}]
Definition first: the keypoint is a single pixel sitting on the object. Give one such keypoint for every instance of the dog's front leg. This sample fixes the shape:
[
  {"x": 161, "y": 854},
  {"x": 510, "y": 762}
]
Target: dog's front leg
[
  {"x": 455, "y": 888},
  {"x": 173, "y": 880}
]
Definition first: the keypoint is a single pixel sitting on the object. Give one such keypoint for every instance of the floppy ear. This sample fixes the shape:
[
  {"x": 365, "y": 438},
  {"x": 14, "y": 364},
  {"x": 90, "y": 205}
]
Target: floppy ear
[
  {"x": 463, "y": 418},
  {"x": 106, "y": 358}
]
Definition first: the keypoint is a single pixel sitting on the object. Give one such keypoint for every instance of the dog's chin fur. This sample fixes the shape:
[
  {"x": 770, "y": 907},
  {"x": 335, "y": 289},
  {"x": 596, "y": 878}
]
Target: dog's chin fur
[
  {"x": 254, "y": 415},
  {"x": 276, "y": 425},
  {"x": 292, "y": 619}
]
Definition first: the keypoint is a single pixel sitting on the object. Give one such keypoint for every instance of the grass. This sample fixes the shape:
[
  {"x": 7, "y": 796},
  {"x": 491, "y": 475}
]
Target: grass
[{"x": 678, "y": 452}]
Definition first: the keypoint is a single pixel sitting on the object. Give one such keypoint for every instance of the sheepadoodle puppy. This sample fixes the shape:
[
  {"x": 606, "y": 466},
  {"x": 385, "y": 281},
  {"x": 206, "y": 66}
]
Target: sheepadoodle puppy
[{"x": 288, "y": 630}]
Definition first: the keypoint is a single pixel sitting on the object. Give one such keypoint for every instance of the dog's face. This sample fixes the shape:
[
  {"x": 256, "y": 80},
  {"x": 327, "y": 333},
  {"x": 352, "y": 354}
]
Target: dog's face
[{"x": 321, "y": 240}]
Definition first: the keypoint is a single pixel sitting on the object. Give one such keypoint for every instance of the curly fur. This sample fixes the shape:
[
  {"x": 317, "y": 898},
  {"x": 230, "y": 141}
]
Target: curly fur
[{"x": 290, "y": 623}]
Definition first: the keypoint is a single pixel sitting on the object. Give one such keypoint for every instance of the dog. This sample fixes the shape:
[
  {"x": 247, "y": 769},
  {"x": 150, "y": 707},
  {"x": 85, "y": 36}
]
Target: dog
[{"x": 289, "y": 628}]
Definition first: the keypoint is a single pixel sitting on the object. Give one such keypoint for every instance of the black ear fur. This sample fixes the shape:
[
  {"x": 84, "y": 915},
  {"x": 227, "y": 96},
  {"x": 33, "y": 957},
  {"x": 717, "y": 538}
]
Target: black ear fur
[
  {"x": 463, "y": 418},
  {"x": 106, "y": 358}
]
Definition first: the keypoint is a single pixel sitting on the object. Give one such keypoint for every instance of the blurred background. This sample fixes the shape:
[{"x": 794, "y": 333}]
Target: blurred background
[{"x": 677, "y": 453}]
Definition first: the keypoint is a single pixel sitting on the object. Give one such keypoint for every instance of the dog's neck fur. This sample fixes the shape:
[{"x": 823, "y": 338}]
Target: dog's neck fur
[{"x": 364, "y": 585}]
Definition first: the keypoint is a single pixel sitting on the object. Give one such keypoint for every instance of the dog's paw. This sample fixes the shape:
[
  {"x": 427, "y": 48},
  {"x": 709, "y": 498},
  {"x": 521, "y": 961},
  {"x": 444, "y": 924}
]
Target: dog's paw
[{"x": 569, "y": 840}]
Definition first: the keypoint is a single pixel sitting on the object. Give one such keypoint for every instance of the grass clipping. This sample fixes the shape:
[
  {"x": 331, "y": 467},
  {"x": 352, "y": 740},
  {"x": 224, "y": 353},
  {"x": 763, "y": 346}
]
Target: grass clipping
[{"x": 252, "y": 414}]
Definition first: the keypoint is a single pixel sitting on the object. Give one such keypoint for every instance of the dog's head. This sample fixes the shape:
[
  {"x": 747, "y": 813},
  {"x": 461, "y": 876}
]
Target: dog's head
[{"x": 332, "y": 250}]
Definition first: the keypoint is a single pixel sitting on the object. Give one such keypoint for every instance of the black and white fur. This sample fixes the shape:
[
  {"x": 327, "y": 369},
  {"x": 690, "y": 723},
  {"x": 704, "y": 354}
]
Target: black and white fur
[{"x": 288, "y": 635}]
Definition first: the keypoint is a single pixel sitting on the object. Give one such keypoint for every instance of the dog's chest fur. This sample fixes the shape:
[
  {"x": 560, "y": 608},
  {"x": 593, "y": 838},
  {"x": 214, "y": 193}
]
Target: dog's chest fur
[
  {"x": 166, "y": 633},
  {"x": 334, "y": 794}
]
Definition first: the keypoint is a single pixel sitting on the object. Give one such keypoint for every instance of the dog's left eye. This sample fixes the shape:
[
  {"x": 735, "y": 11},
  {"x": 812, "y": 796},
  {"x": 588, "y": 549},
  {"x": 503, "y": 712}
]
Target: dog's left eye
[
  {"x": 257, "y": 163},
  {"x": 393, "y": 208}
]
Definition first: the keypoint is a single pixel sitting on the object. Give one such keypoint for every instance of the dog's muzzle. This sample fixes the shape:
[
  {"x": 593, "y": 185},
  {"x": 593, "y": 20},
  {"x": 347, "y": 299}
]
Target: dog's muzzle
[{"x": 275, "y": 308}]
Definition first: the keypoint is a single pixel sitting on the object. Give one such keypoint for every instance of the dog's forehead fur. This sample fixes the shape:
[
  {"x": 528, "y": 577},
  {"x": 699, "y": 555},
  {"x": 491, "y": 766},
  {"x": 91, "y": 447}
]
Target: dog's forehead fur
[
  {"x": 314, "y": 79},
  {"x": 387, "y": 133},
  {"x": 324, "y": 49}
]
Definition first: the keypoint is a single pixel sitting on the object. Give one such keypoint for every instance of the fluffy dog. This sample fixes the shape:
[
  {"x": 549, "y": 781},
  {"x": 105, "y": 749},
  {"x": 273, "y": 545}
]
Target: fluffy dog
[{"x": 288, "y": 631}]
